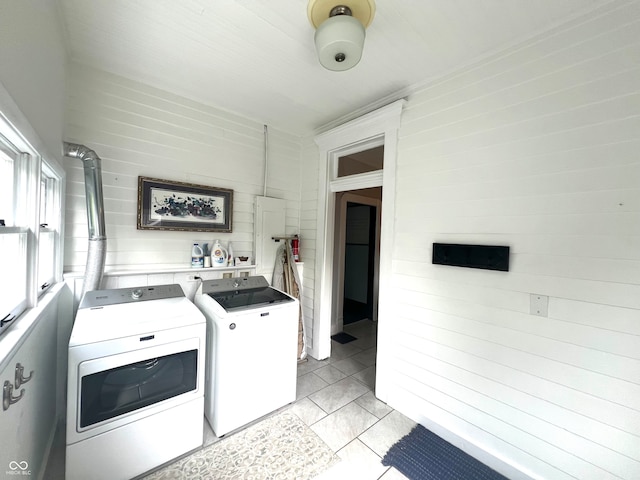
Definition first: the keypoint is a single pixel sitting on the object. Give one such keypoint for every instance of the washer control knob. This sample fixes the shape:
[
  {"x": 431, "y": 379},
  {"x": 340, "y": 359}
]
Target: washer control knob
[
  {"x": 232, "y": 326},
  {"x": 136, "y": 294}
]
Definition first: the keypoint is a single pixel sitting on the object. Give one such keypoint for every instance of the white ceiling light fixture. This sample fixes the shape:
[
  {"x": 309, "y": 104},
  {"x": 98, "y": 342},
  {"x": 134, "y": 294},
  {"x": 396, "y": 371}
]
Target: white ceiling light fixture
[{"x": 340, "y": 30}]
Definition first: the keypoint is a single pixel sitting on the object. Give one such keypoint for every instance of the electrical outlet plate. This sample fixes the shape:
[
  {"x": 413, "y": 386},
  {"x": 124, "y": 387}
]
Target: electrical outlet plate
[{"x": 539, "y": 305}]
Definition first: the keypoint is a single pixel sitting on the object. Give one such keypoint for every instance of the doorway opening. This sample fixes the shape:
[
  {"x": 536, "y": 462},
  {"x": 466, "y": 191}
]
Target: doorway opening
[
  {"x": 377, "y": 128},
  {"x": 357, "y": 259},
  {"x": 356, "y": 240}
]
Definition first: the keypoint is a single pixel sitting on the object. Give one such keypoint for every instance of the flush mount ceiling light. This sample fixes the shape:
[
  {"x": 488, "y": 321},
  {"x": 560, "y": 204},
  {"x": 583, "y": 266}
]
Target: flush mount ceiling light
[{"x": 340, "y": 26}]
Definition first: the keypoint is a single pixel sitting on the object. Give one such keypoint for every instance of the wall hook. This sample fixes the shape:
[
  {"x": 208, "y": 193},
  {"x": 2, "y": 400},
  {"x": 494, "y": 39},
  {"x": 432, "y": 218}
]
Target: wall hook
[
  {"x": 7, "y": 395},
  {"x": 20, "y": 379}
]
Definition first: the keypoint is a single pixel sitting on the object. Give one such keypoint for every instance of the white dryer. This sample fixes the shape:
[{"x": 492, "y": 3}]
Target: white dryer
[
  {"x": 135, "y": 393},
  {"x": 252, "y": 346}
]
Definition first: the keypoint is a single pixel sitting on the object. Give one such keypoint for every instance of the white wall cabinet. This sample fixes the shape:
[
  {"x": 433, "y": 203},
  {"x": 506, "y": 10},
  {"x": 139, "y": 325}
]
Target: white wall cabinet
[{"x": 27, "y": 427}]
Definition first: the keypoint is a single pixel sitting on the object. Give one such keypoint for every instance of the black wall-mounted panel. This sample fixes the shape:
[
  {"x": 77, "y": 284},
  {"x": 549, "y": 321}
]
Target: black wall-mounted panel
[{"x": 489, "y": 257}]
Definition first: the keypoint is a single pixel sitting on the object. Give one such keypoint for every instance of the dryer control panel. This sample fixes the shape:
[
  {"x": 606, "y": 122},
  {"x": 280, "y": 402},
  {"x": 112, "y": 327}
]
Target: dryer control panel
[{"x": 101, "y": 298}]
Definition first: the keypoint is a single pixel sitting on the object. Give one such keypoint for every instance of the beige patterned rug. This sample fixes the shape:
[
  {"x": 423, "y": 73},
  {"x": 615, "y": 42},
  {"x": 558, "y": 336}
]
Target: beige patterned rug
[{"x": 281, "y": 447}]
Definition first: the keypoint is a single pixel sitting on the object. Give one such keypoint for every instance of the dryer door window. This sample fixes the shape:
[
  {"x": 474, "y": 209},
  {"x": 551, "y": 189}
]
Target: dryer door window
[{"x": 110, "y": 393}]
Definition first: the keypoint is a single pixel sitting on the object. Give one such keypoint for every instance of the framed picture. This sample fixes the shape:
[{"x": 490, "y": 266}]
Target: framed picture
[{"x": 168, "y": 205}]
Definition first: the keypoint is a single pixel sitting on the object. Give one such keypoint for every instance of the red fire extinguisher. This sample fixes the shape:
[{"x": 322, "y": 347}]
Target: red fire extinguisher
[{"x": 295, "y": 246}]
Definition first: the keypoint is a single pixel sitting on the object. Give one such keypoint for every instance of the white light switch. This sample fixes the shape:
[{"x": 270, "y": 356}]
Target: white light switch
[{"x": 539, "y": 305}]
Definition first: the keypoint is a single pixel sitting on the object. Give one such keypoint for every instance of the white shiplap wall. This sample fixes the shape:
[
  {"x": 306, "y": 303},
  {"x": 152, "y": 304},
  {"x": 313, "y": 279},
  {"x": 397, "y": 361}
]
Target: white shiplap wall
[
  {"x": 536, "y": 149},
  {"x": 140, "y": 130},
  {"x": 308, "y": 229}
]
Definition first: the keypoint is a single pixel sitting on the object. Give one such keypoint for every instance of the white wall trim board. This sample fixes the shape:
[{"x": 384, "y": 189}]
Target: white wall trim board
[{"x": 356, "y": 182}]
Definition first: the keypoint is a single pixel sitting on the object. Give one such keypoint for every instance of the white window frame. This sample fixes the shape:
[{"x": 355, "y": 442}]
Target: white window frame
[
  {"x": 28, "y": 168},
  {"x": 53, "y": 226},
  {"x": 16, "y": 227}
]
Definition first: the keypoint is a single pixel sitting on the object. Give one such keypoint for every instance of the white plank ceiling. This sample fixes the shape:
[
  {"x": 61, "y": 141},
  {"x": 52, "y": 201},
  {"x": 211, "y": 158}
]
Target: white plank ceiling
[{"x": 257, "y": 58}]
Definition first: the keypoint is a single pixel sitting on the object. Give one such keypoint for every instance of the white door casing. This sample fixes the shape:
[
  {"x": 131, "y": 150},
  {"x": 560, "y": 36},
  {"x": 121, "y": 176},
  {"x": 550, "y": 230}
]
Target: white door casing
[{"x": 373, "y": 129}]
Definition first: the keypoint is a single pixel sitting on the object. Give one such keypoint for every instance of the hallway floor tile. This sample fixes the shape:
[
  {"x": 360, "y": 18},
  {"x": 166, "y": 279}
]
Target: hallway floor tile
[{"x": 336, "y": 399}]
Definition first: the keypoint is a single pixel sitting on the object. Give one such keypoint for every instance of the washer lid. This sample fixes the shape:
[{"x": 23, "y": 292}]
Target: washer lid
[{"x": 250, "y": 298}]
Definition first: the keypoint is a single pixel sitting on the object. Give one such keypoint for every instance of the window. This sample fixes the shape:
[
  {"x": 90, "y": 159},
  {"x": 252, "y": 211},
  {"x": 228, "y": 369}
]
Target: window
[
  {"x": 361, "y": 162},
  {"x": 48, "y": 224},
  {"x": 30, "y": 221},
  {"x": 7, "y": 158},
  {"x": 13, "y": 240}
]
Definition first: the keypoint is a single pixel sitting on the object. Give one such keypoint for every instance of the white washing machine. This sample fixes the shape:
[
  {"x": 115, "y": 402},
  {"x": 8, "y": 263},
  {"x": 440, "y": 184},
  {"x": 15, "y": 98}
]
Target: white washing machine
[
  {"x": 252, "y": 346},
  {"x": 135, "y": 392}
]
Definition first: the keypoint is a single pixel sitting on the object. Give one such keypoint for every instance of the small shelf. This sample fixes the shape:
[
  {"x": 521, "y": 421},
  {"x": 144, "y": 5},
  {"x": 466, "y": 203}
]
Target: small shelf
[{"x": 142, "y": 270}]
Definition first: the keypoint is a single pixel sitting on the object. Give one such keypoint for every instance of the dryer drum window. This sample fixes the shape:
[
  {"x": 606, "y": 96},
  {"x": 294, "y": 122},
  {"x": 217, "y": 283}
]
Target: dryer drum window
[{"x": 114, "y": 392}]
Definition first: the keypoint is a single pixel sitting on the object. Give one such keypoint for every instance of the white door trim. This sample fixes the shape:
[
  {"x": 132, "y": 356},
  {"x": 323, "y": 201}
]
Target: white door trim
[
  {"x": 356, "y": 182},
  {"x": 375, "y": 128}
]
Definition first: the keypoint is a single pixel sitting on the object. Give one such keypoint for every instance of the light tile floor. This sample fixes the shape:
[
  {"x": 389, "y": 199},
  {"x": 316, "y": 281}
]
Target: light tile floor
[{"x": 336, "y": 399}]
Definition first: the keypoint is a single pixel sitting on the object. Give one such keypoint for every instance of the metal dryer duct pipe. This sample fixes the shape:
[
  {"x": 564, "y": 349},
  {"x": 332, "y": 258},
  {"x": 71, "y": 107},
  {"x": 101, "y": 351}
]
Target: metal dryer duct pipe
[{"x": 95, "y": 213}]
